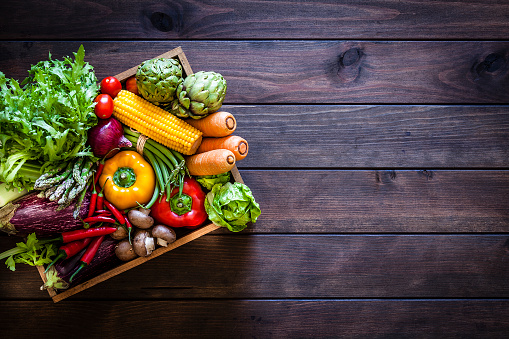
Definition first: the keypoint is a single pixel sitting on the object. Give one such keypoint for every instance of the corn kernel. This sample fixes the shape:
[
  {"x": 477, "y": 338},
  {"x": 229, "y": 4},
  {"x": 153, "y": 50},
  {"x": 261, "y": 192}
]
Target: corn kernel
[{"x": 156, "y": 123}]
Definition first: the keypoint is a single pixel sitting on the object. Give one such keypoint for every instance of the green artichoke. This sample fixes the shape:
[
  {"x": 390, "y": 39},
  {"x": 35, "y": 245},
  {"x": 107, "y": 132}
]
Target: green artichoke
[
  {"x": 158, "y": 79},
  {"x": 198, "y": 95}
]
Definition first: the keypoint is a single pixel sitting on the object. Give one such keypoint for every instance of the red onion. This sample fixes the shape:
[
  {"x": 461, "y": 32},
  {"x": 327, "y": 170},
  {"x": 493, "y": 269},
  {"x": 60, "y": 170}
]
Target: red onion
[{"x": 107, "y": 135}]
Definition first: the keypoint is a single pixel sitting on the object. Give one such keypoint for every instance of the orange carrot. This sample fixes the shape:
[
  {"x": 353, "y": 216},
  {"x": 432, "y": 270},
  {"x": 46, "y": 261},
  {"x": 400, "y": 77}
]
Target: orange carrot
[
  {"x": 210, "y": 163},
  {"x": 234, "y": 143},
  {"x": 217, "y": 124}
]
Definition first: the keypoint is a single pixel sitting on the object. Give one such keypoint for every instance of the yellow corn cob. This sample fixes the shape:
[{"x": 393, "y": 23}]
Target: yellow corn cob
[{"x": 156, "y": 123}]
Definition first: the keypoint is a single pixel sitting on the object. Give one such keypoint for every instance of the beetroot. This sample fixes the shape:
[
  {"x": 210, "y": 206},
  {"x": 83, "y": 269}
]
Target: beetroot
[{"x": 33, "y": 214}]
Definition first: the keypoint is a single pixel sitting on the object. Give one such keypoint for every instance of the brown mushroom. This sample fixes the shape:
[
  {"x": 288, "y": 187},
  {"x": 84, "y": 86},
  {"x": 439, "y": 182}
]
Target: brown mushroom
[
  {"x": 164, "y": 235},
  {"x": 140, "y": 218},
  {"x": 120, "y": 233},
  {"x": 143, "y": 243},
  {"x": 124, "y": 251}
]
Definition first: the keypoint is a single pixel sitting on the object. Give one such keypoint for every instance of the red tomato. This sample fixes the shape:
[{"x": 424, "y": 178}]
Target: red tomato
[
  {"x": 104, "y": 107},
  {"x": 130, "y": 85},
  {"x": 111, "y": 86}
]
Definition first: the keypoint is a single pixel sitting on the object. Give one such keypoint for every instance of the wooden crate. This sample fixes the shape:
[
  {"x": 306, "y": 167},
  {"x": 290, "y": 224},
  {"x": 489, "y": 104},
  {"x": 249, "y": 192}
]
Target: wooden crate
[{"x": 61, "y": 295}]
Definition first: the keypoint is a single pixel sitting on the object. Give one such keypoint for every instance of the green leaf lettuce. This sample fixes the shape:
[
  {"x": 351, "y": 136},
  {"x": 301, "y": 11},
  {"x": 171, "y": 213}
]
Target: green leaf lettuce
[{"x": 232, "y": 206}]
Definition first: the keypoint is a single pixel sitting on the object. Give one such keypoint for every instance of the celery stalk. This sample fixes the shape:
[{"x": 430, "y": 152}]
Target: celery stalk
[{"x": 7, "y": 195}]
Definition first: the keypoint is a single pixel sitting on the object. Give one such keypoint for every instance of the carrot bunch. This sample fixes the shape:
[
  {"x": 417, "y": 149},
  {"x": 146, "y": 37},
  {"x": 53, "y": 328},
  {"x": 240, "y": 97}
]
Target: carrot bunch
[{"x": 219, "y": 149}]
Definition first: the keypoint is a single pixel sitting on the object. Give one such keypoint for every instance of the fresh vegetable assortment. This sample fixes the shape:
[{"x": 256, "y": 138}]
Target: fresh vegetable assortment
[{"x": 104, "y": 172}]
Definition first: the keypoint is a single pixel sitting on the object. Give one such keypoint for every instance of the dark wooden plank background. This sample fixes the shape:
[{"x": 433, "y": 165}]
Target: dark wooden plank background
[{"x": 379, "y": 153}]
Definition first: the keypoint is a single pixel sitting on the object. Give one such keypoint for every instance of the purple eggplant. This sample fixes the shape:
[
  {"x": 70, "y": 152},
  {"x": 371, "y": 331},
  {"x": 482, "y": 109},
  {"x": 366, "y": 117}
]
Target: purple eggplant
[
  {"x": 33, "y": 214},
  {"x": 105, "y": 259}
]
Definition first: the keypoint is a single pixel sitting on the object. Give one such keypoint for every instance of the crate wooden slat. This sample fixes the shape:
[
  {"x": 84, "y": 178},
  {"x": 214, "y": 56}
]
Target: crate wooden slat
[{"x": 58, "y": 296}]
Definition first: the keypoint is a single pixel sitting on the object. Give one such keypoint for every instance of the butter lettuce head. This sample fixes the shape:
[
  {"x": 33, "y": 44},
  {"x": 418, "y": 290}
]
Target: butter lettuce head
[{"x": 232, "y": 205}]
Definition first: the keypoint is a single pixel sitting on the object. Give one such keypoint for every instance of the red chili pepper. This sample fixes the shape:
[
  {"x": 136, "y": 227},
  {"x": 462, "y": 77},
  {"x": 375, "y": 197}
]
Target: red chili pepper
[
  {"x": 100, "y": 197},
  {"x": 116, "y": 213},
  {"x": 99, "y": 171},
  {"x": 102, "y": 212},
  {"x": 70, "y": 249},
  {"x": 93, "y": 201},
  {"x": 107, "y": 214},
  {"x": 70, "y": 236},
  {"x": 89, "y": 254},
  {"x": 99, "y": 218}
]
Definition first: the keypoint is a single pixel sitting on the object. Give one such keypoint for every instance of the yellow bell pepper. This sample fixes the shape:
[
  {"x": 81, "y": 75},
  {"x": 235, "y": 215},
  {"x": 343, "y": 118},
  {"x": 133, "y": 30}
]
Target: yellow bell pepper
[{"x": 128, "y": 180}]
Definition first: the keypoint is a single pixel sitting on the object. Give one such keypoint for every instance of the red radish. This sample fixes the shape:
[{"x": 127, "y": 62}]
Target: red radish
[{"x": 107, "y": 135}]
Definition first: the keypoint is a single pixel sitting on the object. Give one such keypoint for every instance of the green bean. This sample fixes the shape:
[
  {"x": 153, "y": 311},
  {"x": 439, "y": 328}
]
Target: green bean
[
  {"x": 157, "y": 170},
  {"x": 178, "y": 155},
  {"x": 153, "y": 199},
  {"x": 152, "y": 149}
]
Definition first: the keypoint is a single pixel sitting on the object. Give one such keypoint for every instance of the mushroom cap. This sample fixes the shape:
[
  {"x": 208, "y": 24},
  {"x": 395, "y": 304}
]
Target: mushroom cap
[
  {"x": 124, "y": 251},
  {"x": 120, "y": 233},
  {"x": 140, "y": 219},
  {"x": 165, "y": 233}
]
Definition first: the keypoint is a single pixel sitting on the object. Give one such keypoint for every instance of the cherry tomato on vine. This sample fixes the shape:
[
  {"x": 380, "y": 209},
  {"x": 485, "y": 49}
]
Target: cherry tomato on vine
[
  {"x": 104, "y": 107},
  {"x": 130, "y": 85},
  {"x": 111, "y": 86}
]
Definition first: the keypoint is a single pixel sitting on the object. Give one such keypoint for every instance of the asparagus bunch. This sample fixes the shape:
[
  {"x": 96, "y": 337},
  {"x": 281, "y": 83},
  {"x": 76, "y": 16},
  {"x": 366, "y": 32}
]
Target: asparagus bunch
[{"x": 65, "y": 183}]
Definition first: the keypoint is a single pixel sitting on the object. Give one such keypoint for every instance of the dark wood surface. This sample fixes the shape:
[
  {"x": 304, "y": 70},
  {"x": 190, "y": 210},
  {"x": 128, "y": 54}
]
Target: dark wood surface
[{"x": 379, "y": 153}]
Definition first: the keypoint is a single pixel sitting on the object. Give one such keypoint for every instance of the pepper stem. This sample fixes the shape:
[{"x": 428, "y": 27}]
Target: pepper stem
[
  {"x": 181, "y": 204},
  {"x": 61, "y": 255},
  {"x": 124, "y": 177},
  {"x": 79, "y": 269}
]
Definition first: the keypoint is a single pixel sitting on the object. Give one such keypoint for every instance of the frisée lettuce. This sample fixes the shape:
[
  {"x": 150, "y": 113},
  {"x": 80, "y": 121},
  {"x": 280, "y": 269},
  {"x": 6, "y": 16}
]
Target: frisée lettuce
[{"x": 45, "y": 119}]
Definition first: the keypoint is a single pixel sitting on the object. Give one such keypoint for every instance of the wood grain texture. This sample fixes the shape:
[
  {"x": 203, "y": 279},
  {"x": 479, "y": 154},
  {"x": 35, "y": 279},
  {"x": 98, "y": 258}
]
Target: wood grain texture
[
  {"x": 403, "y": 136},
  {"x": 262, "y": 318},
  {"x": 296, "y": 72},
  {"x": 379, "y": 201},
  {"x": 184, "y": 19},
  {"x": 303, "y": 266},
  {"x": 384, "y": 201},
  {"x": 378, "y": 136}
]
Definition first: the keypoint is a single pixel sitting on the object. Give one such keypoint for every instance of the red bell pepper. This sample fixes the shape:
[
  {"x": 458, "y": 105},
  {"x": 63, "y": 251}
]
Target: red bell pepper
[{"x": 185, "y": 210}]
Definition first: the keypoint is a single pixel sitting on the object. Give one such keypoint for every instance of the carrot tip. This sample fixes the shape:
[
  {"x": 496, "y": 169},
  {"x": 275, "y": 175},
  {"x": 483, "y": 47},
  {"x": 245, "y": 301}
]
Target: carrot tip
[{"x": 230, "y": 159}]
